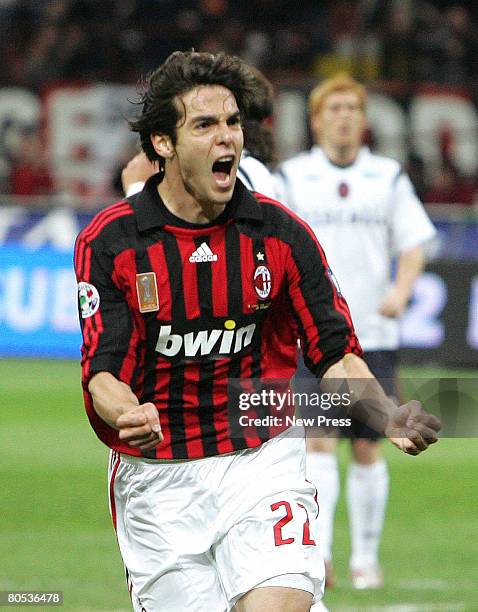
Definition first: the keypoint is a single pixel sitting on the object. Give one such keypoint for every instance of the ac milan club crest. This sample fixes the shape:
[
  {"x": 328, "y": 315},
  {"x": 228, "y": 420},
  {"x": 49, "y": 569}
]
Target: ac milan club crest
[
  {"x": 262, "y": 282},
  {"x": 343, "y": 190}
]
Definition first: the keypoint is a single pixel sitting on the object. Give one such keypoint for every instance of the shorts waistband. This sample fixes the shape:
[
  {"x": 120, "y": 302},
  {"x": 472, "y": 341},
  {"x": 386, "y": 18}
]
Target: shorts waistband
[{"x": 134, "y": 460}]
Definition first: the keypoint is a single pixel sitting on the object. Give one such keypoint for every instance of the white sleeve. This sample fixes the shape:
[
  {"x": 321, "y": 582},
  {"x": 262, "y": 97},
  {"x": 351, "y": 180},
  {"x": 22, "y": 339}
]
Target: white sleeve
[
  {"x": 281, "y": 186},
  {"x": 285, "y": 192},
  {"x": 134, "y": 188},
  {"x": 411, "y": 225},
  {"x": 257, "y": 177}
]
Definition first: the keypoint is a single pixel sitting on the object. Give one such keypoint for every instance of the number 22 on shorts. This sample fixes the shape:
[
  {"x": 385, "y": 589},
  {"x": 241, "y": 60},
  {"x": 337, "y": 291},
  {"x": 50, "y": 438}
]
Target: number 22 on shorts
[{"x": 287, "y": 518}]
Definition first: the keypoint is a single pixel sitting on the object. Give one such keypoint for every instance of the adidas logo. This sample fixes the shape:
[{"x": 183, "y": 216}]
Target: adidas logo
[{"x": 203, "y": 253}]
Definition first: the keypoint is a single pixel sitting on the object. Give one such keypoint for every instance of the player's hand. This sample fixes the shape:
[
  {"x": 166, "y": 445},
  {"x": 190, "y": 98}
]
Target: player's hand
[
  {"x": 412, "y": 429},
  {"x": 394, "y": 303},
  {"x": 140, "y": 427},
  {"x": 138, "y": 170}
]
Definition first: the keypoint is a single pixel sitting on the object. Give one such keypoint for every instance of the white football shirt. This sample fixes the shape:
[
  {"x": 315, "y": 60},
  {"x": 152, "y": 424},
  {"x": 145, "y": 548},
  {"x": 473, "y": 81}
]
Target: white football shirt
[
  {"x": 363, "y": 214},
  {"x": 256, "y": 176}
]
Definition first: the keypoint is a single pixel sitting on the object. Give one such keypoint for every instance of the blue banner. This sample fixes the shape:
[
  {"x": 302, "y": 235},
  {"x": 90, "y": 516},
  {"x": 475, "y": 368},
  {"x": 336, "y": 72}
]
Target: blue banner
[{"x": 38, "y": 303}]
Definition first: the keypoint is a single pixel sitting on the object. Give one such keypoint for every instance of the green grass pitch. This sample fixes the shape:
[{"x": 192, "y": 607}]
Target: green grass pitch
[{"x": 56, "y": 532}]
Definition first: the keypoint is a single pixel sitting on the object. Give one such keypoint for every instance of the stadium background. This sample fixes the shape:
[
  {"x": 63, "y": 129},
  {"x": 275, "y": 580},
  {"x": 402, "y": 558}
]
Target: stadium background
[{"x": 67, "y": 73}]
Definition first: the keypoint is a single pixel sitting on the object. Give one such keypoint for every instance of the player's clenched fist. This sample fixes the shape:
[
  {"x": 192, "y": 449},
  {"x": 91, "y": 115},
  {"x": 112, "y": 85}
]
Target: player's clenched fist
[
  {"x": 140, "y": 427},
  {"x": 412, "y": 429}
]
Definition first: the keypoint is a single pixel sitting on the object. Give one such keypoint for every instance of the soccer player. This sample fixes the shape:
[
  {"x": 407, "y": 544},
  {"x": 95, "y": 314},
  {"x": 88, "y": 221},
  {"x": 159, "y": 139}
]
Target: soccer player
[
  {"x": 257, "y": 156},
  {"x": 188, "y": 287},
  {"x": 364, "y": 212}
]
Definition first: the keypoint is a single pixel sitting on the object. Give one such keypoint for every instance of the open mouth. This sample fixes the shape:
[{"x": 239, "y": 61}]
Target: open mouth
[{"x": 222, "y": 168}]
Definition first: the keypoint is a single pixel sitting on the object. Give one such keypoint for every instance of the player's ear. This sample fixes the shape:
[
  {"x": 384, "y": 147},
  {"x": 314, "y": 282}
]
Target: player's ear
[{"x": 163, "y": 145}]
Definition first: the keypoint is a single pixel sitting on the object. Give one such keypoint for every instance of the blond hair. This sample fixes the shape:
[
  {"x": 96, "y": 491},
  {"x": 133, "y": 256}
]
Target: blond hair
[{"x": 339, "y": 83}]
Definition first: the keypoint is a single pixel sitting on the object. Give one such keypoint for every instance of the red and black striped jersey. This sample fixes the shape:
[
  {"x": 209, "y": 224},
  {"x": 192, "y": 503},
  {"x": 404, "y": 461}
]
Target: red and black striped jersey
[{"x": 179, "y": 310}]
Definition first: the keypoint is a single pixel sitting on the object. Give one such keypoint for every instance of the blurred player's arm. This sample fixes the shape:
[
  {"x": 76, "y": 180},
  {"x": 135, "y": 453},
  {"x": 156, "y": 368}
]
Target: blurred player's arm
[
  {"x": 410, "y": 265},
  {"x": 136, "y": 173},
  {"x": 411, "y": 229},
  {"x": 409, "y": 427},
  {"x": 114, "y": 401}
]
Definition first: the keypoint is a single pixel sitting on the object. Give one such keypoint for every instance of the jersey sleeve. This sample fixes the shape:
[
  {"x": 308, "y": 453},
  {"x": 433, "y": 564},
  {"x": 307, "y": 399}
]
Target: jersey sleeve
[
  {"x": 324, "y": 321},
  {"x": 411, "y": 225},
  {"x": 105, "y": 318}
]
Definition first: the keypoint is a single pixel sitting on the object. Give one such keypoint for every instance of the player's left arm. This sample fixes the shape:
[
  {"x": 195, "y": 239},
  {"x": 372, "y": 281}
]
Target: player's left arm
[
  {"x": 409, "y": 266},
  {"x": 320, "y": 310},
  {"x": 409, "y": 427},
  {"x": 332, "y": 351}
]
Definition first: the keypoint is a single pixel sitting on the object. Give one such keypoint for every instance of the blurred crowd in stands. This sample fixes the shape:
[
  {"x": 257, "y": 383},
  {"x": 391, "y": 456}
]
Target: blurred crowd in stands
[
  {"x": 398, "y": 43},
  {"x": 407, "y": 40}
]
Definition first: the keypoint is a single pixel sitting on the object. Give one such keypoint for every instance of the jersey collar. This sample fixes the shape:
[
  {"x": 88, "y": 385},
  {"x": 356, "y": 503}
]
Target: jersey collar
[
  {"x": 151, "y": 211},
  {"x": 363, "y": 152}
]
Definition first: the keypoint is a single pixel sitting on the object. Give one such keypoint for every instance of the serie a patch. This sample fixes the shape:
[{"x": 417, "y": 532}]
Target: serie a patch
[
  {"x": 147, "y": 290},
  {"x": 89, "y": 299},
  {"x": 333, "y": 278}
]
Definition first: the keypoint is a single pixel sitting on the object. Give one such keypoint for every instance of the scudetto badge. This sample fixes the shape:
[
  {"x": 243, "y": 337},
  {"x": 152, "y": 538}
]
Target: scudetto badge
[
  {"x": 147, "y": 291},
  {"x": 262, "y": 282},
  {"x": 89, "y": 299}
]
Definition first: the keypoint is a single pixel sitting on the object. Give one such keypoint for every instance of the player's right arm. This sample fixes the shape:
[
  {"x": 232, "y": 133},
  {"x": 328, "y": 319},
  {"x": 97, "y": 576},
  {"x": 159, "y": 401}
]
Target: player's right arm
[
  {"x": 112, "y": 352},
  {"x": 115, "y": 402}
]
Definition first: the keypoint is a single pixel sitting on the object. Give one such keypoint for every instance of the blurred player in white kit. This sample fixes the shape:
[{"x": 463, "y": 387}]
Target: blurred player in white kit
[{"x": 365, "y": 212}]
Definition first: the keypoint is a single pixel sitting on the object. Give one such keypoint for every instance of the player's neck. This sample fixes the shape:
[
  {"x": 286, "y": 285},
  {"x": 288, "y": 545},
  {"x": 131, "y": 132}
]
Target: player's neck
[
  {"x": 340, "y": 155},
  {"x": 184, "y": 205}
]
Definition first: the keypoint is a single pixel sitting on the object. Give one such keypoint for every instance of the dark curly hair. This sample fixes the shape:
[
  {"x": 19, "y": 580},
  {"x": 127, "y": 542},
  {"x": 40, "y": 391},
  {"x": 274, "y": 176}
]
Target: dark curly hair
[
  {"x": 258, "y": 137},
  {"x": 259, "y": 141},
  {"x": 181, "y": 72}
]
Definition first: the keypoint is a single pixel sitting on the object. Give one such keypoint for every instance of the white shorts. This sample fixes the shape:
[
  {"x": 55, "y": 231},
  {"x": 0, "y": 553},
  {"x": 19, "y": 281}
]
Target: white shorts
[{"x": 197, "y": 535}]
